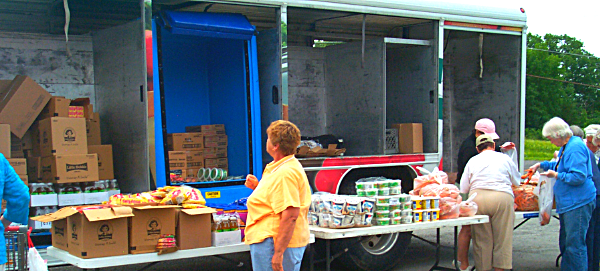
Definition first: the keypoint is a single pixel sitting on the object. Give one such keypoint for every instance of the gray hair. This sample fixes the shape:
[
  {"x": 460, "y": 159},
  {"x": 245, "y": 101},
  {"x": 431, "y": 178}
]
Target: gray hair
[
  {"x": 596, "y": 139},
  {"x": 556, "y": 128},
  {"x": 591, "y": 129},
  {"x": 577, "y": 131}
]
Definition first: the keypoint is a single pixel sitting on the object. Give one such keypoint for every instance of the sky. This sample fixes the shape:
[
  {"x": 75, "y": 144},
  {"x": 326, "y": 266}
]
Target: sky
[{"x": 576, "y": 18}]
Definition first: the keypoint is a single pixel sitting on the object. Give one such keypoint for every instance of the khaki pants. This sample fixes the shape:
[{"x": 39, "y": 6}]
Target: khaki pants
[{"x": 492, "y": 242}]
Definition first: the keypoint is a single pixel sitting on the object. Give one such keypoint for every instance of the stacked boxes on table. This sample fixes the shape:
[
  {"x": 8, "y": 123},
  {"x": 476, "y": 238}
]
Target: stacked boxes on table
[
  {"x": 201, "y": 147},
  {"x": 92, "y": 231}
]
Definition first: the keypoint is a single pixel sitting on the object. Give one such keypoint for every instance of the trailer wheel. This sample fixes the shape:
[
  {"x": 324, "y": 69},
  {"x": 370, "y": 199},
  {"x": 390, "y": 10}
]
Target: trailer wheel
[{"x": 379, "y": 252}]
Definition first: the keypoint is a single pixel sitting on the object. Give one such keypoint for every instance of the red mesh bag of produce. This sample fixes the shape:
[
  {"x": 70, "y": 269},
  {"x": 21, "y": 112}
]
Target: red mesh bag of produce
[{"x": 525, "y": 199}]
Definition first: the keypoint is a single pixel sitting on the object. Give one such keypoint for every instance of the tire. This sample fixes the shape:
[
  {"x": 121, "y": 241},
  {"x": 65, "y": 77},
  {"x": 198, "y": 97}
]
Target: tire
[
  {"x": 373, "y": 253},
  {"x": 379, "y": 252}
]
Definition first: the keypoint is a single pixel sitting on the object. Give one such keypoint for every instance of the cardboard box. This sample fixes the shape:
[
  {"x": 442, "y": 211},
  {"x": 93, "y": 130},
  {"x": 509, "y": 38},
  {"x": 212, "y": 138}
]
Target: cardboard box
[
  {"x": 88, "y": 109},
  {"x": 21, "y": 103},
  {"x": 95, "y": 198},
  {"x": 36, "y": 150},
  {"x": 63, "y": 136},
  {"x": 105, "y": 161},
  {"x": 215, "y": 152},
  {"x": 5, "y": 143},
  {"x": 226, "y": 238},
  {"x": 17, "y": 154},
  {"x": 34, "y": 168},
  {"x": 43, "y": 200},
  {"x": 25, "y": 179},
  {"x": 19, "y": 165},
  {"x": 76, "y": 112},
  {"x": 177, "y": 160},
  {"x": 71, "y": 199},
  {"x": 56, "y": 107},
  {"x": 410, "y": 137},
  {"x": 193, "y": 129},
  {"x": 216, "y": 163},
  {"x": 37, "y": 225},
  {"x": 212, "y": 127},
  {"x": 215, "y": 141},
  {"x": 148, "y": 224},
  {"x": 191, "y": 172},
  {"x": 94, "y": 136},
  {"x": 90, "y": 233},
  {"x": 15, "y": 144},
  {"x": 59, "y": 234},
  {"x": 194, "y": 228},
  {"x": 27, "y": 140},
  {"x": 185, "y": 142},
  {"x": 70, "y": 168}
]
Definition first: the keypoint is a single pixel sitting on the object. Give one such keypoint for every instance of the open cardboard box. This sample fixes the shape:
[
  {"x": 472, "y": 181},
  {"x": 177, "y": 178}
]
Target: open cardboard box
[
  {"x": 331, "y": 151},
  {"x": 194, "y": 228},
  {"x": 148, "y": 224},
  {"x": 90, "y": 233}
]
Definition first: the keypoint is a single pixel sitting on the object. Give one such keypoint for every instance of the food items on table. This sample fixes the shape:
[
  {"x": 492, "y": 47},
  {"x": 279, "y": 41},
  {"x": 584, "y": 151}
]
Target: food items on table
[
  {"x": 166, "y": 241},
  {"x": 525, "y": 199}
]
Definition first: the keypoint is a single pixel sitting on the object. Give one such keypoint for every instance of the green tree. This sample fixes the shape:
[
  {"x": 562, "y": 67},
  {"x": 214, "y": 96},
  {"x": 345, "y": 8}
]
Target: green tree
[{"x": 563, "y": 58}]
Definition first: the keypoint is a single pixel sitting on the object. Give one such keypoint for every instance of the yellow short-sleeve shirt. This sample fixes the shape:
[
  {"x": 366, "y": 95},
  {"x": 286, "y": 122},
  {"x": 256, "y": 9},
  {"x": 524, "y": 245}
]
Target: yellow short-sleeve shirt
[{"x": 284, "y": 184}]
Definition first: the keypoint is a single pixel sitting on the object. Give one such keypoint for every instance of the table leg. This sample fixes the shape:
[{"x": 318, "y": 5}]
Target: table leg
[
  {"x": 311, "y": 257},
  {"x": 520, "y": 224},
  {"x": 438, "y": 246},
  {"x": 456, "y": 248},
  {"x": 328, "y": 255}
]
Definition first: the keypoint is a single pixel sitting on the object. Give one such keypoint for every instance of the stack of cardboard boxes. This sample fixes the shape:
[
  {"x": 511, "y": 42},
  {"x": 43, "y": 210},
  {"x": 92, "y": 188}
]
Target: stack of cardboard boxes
[
  {"x": 119, "y": 230},
  {"x": 46, "y": 141},
  {"x": 200, "y": 147}
]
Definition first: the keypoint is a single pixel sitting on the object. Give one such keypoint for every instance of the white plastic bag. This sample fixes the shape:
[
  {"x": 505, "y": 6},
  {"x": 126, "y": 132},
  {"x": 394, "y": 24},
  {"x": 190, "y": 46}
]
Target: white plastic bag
[
  {"x": 468, "y": 207},
  {"x": 512, "y": 153},
  {"x": 545, "y": 190},
  {"x": 34, "y": 260}
]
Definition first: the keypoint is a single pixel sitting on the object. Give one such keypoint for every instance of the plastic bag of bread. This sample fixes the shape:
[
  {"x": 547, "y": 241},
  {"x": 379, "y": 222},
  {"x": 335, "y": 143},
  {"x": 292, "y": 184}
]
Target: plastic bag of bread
[
  {"x": 193, "y": 196},
  {"x": 428, "y": 178},
  {"x": 174, "y": 197},
  {"x": 468, "y": 207}
]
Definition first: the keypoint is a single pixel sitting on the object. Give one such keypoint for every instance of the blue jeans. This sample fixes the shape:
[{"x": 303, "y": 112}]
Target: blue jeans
[
  {"x": 592, "y": 239},
  {"x": 573, "y": 229},
  {"x": 262, "y": 254}
]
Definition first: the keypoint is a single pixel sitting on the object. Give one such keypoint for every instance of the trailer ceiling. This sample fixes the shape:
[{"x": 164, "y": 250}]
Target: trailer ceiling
[
  {"x": 48, "y": 16},
  {"x": 304, "y": 23}
]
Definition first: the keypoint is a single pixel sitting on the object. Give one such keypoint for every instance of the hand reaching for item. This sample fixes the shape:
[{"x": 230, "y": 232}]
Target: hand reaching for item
[
  {"x": 550, "y": 174},
  {"x": 507, "y": 146},
  {"x": 251, "y": 181}
]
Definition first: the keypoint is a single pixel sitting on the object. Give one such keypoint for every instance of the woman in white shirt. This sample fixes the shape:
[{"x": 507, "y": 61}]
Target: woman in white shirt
[{"x": 491, "y": 174}]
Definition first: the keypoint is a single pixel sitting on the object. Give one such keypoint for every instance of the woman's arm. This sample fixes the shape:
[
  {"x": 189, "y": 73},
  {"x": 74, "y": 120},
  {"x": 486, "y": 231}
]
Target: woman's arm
[{"x": 286, "y": 231}]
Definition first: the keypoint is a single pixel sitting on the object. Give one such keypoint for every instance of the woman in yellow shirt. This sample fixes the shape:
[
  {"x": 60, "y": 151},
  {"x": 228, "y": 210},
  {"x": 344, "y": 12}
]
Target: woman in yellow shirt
[{"x": 277, "y": 226}]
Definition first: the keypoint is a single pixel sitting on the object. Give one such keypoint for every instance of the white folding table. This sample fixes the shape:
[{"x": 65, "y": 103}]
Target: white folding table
[{"x": 331, "y": 234}]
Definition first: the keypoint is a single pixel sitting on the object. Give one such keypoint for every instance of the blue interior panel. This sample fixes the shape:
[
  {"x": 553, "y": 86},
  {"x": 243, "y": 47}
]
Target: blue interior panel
[
  {"x": 206, "y": 81},
  {"x": 219, "y": 25}
]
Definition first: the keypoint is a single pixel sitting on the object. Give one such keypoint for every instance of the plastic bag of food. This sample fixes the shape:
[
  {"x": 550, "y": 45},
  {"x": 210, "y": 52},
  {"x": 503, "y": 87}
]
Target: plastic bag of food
[
  {"x": 449, "y": 207},
  {"x": 468, "y": 207},
  {"x": 525, "y": 198},
  {"x": 193, "y": 196},
  {"x": 175, "y": 197},
  {"x": 428, "y": 178},
  {"x": 545, "y": 191}
]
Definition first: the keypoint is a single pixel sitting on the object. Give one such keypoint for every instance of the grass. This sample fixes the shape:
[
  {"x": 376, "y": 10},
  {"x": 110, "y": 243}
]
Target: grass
[{"x": 539, "y": 149}]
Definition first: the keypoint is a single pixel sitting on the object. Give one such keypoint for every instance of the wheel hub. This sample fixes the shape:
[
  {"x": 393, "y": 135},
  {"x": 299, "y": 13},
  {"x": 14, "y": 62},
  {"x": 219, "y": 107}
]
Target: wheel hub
[{"x": 379, "y": 244}]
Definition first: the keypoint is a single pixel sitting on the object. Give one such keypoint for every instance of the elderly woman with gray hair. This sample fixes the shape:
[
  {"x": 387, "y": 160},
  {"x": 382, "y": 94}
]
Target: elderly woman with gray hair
[{"x": 574, "y": 191}]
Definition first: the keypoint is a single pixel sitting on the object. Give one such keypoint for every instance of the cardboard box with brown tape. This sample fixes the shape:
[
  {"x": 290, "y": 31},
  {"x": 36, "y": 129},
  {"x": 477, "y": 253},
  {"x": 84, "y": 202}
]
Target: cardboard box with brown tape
[
  {"x": 148, "y": 224},
  {"x": 21, "y": 103},
  {"x": 215, "y": 141},
  {"x": 177, "y": 160},
  {"x": 105, "y": 161},
  {"x": 90, "y": 233},
  {"x": 34, "y": 168},
  {"x": 63, "y": 136},
  {"x": 70, "y": 168},
  {"x": 215, "y": 152},
  {"x": 216, "y": 163},
  {"x": 5, "y": 143}
]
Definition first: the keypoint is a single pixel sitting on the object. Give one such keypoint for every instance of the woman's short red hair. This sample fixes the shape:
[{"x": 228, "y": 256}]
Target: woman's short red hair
[{"x": 285, "y": 134}]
